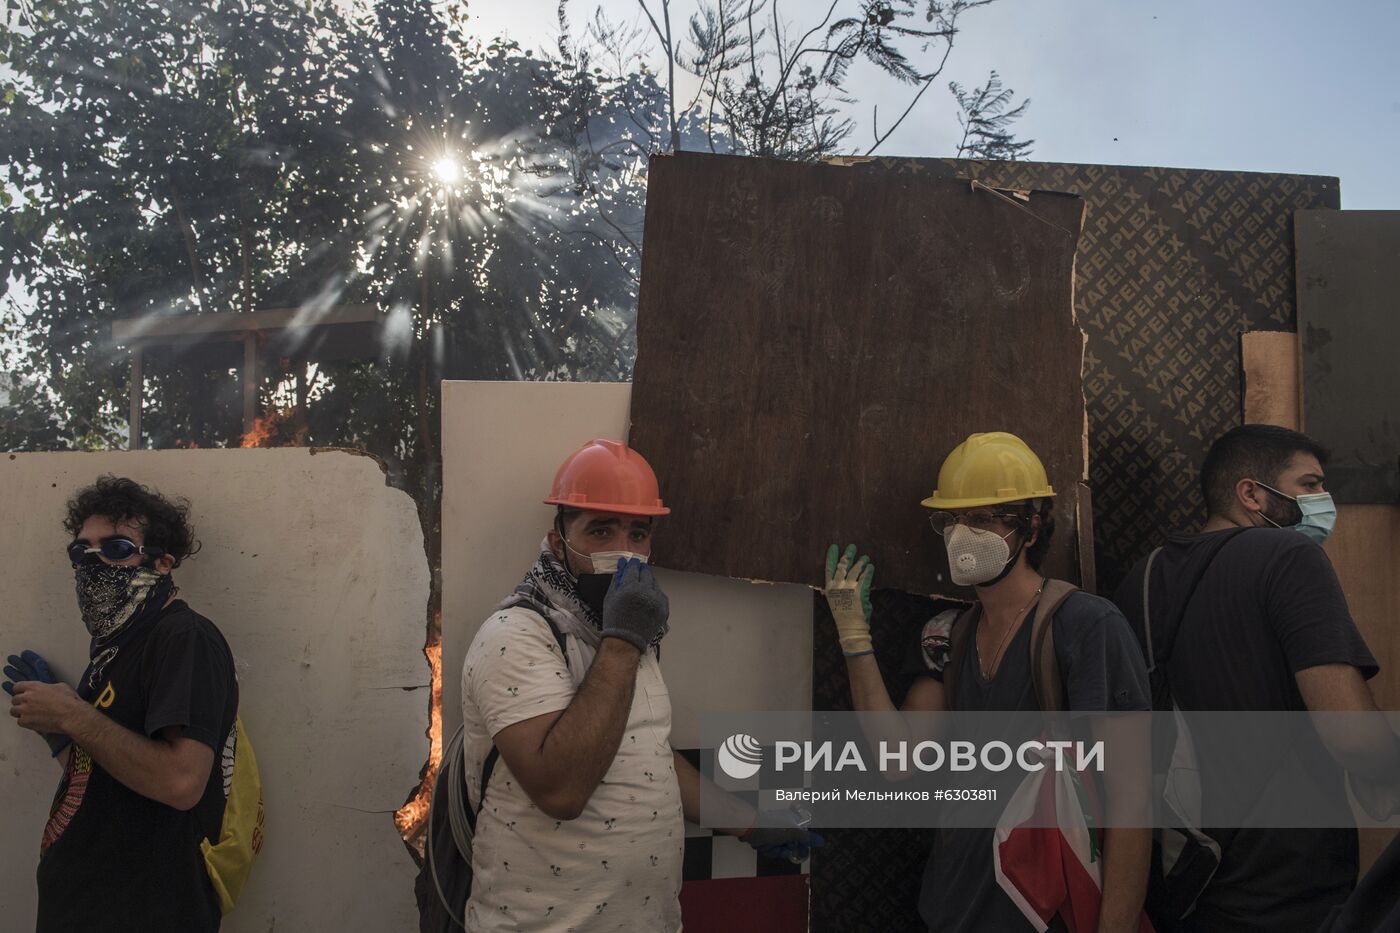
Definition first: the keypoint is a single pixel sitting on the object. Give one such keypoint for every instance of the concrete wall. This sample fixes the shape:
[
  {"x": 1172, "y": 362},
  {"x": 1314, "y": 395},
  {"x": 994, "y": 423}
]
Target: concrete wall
[
  {"x": 315, "y": 572},
  {"x": 733, "y": 645}
]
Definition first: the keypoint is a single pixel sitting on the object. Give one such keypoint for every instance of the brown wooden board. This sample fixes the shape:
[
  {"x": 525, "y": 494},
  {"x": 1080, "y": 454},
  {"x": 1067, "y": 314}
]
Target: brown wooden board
[
  {"x": 814, "y": 340},
  {"x": 1349, "y": 322},
  {"x": 1269, "y": 371}
]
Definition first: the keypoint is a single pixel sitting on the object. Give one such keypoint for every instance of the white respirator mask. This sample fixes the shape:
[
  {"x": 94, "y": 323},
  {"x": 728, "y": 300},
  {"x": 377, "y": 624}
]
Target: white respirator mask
[
  {"x": 607, "y": 561},
  {"x": 593, "y": 585},
  {"x": 976, "y": 556}
]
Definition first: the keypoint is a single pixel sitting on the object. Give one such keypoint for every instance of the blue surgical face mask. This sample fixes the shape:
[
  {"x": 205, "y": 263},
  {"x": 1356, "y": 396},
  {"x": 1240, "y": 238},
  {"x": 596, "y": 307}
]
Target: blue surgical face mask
[{"x": 1317, "y": 513}]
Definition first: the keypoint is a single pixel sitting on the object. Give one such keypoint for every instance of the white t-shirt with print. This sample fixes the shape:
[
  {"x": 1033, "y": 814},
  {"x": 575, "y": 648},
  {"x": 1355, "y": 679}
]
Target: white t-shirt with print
[{"x": 618, "y": 865}]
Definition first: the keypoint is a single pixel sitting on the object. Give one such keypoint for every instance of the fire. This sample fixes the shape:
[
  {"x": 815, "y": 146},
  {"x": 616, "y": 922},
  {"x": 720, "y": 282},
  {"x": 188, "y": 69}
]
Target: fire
[
  {"x": 281, "y": 428},
  {"x": 412, "y": 818}
]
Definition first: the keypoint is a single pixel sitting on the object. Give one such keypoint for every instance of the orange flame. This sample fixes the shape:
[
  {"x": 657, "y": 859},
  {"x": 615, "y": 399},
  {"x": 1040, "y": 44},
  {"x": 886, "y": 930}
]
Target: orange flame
[
  {"x": 282, "y": 428},
  {"x": 412, "y": 818}
]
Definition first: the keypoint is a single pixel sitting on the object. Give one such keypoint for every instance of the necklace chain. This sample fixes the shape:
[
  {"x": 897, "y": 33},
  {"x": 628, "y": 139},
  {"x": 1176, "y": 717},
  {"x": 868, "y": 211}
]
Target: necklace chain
[{"x": 1011, "y": 627}]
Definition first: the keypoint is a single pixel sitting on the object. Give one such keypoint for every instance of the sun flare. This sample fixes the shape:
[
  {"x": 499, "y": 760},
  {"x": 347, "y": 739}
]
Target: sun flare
[{"x": 447, "y": 170}]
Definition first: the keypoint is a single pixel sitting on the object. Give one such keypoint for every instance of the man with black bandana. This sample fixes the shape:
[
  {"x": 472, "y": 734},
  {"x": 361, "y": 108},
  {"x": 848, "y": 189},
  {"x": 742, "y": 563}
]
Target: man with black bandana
[
  {"x": 138, "y": 737},
  {"x": 564, "y": 710}
]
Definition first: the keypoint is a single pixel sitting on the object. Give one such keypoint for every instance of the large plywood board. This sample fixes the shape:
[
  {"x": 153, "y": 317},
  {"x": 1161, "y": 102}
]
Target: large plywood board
[
  {"x": 1173, "y": 264},
  {"x": 315, "y": 572},
  {"x": 1349, "y": 324},
  {"x": 814, "y": 340},
  {"x": 732, "y": 645}
]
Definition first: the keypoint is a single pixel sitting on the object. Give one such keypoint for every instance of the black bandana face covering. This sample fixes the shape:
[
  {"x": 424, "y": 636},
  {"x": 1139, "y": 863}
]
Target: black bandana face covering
[
  {"x": 109, "y": 596},
  {"x": 592, "y": 589}
]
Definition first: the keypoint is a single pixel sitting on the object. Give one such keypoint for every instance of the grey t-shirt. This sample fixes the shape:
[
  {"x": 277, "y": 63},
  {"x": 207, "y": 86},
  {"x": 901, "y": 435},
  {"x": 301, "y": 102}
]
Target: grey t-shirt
[{"x": 1102, "y": 668}]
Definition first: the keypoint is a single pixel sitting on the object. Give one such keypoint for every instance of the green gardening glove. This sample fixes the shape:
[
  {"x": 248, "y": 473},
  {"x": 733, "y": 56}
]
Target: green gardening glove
[{"x": 847, "y": 592}]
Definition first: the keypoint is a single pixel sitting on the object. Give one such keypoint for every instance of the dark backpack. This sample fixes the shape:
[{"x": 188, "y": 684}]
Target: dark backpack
[
  {"x": 1184, "y": 858},
  {"x": 1374, "y": 907},
  {"x": 444, "y": 881}
]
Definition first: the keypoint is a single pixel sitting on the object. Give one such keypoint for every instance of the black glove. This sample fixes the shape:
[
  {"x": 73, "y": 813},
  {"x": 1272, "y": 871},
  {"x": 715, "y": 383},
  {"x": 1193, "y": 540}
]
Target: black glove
[
  {"x": 635, "y": 609},
  {"x": 29, "y": 665}
]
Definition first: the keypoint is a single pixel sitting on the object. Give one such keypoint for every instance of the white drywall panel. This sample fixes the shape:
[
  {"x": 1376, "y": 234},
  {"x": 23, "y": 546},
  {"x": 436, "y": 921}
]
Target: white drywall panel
[
  {"x": 315, "y": 572},
  {"x": 501, "y": 445},
  {"x": 733, "y": 645}
]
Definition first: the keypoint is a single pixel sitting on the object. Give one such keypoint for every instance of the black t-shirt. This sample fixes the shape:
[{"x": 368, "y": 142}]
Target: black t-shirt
[
  {"x": 1267, "y": 606},
  {"x": 1102, "y": 669},
  {"x": 111, "y": 859}
]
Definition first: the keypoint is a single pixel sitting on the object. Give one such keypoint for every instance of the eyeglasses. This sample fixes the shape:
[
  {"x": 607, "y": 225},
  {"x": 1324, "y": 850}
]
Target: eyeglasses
[
  {"x": 113, "y": 549},
  {"x": 976, "y": 519}
]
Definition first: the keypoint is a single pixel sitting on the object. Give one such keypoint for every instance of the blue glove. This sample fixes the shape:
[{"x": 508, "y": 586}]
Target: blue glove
[
  {"x": 635, "y": 609},
  {"x": 29, "y": 665},
  {"x": 793, "y": 844}
]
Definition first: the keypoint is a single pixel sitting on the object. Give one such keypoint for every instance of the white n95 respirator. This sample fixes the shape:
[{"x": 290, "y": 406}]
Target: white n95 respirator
[{"x": 976, "y": 556}]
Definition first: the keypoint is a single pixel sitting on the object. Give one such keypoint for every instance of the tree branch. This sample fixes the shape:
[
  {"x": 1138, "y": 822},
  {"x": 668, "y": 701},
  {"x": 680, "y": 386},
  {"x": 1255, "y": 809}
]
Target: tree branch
[
  {"x": 188, "y": 233},
  {"x": 665, "y": 37},
  {"x": 879, "y": 140},
  {"x": 786, "y": 72}
]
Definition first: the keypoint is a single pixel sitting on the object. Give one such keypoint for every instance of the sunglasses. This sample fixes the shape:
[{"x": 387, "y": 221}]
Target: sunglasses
[
  {"x": 113, "y": 549},
  {"x": 976, "y": 519}
]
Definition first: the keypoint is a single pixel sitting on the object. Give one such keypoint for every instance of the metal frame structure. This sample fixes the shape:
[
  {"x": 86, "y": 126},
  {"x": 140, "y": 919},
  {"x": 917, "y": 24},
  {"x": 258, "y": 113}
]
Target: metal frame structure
[{"x": 304, "y": 334}]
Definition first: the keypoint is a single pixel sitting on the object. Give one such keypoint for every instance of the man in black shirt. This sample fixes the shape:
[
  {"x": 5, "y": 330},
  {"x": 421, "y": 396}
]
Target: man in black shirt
[
  {"x": 1259, "y": 622},
  {"x": 139, "y": 737}
]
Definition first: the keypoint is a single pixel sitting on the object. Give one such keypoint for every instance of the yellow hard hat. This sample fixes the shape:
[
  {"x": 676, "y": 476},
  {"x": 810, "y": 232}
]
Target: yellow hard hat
[{"x": 988, "y": 469}]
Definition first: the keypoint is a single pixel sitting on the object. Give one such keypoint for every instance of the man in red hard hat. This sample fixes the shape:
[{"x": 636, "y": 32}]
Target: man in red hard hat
[{"x": 567, "y": 722}]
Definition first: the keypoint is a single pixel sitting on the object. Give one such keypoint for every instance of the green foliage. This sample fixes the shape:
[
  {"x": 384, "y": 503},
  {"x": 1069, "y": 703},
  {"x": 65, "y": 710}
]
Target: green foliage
[
  {"x": 769, "y": 87},
  {"x": 986, "y": 115},
  {"x": 164, "y": 158}
]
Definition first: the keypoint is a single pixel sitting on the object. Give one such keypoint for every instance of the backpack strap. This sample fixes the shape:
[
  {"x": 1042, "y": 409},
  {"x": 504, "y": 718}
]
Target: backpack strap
[
  {"x": 1147, "y": 645},
  {"x": 559, "y": 637},
  {"x": 960, "y": 636},
  {"x": 1174, "y": 625},
  {"x": 487, "y": 767},
  {"x": 489, "y": 764},
  {"x": 1045, "y": 665}
]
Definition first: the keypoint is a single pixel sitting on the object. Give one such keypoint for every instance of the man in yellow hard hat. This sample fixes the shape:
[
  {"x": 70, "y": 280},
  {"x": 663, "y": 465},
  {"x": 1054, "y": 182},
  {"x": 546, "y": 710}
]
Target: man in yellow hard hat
[{"x": 992, "y": 510}]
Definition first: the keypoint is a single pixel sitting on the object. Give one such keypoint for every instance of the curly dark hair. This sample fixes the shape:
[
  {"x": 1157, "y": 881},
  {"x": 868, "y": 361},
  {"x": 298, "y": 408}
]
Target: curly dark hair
[
  {"x": 165, "y": 523},
  {"x": 1035, "y": 553}
]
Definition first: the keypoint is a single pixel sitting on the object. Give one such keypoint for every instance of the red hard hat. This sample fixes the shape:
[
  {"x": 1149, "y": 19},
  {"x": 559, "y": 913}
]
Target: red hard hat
[{"x": 606, "y": 476}]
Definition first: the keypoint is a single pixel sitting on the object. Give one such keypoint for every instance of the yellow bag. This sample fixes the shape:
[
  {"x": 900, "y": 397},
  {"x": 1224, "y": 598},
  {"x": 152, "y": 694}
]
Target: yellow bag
[{"x": 230, "y": 860}]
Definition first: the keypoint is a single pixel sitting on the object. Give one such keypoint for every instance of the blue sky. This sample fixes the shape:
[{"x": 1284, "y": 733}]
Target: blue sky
[{"x": 1280, "y": 86}]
